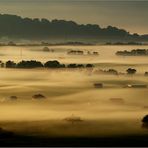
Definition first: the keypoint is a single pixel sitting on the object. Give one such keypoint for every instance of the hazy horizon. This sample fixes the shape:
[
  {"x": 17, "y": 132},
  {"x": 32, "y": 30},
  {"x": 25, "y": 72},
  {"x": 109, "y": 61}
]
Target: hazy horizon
[{"x": 129, "y": 15}]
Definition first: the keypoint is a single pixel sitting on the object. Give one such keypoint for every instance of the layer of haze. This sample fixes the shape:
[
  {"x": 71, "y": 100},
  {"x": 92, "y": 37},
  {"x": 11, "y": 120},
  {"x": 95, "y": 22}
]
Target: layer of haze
[
  {"x": 70, "y": 92},
  {"x": 130, "y": 15}
]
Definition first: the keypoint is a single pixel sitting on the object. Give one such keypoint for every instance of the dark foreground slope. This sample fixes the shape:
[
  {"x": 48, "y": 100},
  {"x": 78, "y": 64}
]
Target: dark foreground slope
[
  {"x": 8, "y": 138},
  {"x": 15, "y": 27},
  {"x": 21, "y": 140}
]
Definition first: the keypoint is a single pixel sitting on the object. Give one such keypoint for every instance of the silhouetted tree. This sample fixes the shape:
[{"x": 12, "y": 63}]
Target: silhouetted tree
[
  {"x": 134, "y": 52},
  {"x": 131, "y": 71},
  {"x": 146, "y": 73},
  {"x": 112, "y": 71},
  {"x": 29, "y": 64},
  {"x": 10, "y": 64},
  {"x": 38, "y": 96},
  {"x": 53, "y": 64},
  {"x": 145, "y": 119},
  {"x": 2, "y": 65},
  {"x": 145, "y": 122},
  {"x": 75, "y": 66},
  {"x": 72, "y": 66},
  {"x": 89, "y": 66},
  {"x": 80, "y": 66}
]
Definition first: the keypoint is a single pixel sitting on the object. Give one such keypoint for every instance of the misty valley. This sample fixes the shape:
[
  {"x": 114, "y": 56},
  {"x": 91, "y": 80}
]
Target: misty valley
[
  {"x": 73, "y": 101},
  {"x": 73, "y": 73}
]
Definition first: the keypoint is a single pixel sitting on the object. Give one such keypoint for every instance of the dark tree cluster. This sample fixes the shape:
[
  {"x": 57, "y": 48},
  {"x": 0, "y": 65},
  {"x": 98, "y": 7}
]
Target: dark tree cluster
[
  {"x": 48, "y": 64},
  {"x": 29, "y": 64},
  {"x": 75, "y": 66},
  {"x": 135, "y": 52},
  {"x": 80, "y": 66},
  {"x": 110, "y": 71},
  {"x": 89, "y": 65},
  {"x": 75, "y": 52},
  {"x": 131, "y": 71},
  {"x": 123, "y": 43},
  {"x": 10, "y": 64},
  {"x": 53, "y": 64}
]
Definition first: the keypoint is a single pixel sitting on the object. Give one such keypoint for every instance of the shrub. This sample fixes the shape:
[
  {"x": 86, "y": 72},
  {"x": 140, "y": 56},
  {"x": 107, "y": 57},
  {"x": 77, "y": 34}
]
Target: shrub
[{"x": 131, "y": 71}]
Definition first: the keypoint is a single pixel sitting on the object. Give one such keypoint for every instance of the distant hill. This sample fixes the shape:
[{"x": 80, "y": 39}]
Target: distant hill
[{"x": 16, "y": 27}]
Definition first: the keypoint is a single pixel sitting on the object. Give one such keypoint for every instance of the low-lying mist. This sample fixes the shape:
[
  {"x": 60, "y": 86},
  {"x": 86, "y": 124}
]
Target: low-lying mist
[
  {"x": 66, "y": 93},
  {"x": 110, "y": 110}
]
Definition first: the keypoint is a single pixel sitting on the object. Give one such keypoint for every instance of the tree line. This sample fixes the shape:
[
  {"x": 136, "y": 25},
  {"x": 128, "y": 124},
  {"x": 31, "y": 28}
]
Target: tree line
[
  {"x": 134, "y": 52},
  {"x": 38, "y": 64},
  {"x": 57, "y": 64},
  {"x": 16, "y": 27}
]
